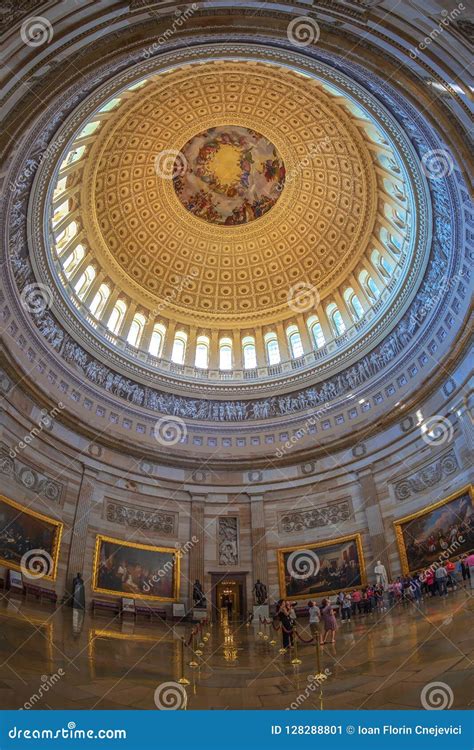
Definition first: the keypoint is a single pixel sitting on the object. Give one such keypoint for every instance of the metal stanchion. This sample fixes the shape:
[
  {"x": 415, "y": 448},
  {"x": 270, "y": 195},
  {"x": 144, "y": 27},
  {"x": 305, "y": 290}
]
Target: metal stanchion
[
  {"x": 193, "y": 663},
  {"x": 183, "y": 680},
  {"x": 295, "y": 659}
]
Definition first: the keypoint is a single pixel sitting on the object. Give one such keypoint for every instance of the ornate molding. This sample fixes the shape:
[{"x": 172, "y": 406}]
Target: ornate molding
[
  {"x": 315, "y": 518},
  {"x": 426, "y": 476},
  {"x": 428, "y": 304},
  {"x": 160, "y": 521},
  {"x": 28, "y": 477}
]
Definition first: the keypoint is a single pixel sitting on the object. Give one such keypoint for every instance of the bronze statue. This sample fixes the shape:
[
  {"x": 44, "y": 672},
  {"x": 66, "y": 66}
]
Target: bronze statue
[
  {"x": 260, "y": 591},
  {"x": 199, "y": 600}
]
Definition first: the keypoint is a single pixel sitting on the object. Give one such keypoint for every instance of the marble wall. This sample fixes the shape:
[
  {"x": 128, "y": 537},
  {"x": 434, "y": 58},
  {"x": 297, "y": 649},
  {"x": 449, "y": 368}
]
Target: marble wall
[{"x": 362, "y": 489}]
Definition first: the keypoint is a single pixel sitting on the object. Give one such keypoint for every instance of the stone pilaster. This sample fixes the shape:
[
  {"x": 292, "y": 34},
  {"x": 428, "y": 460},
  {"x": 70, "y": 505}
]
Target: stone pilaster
[
  {"x": 196, "y": 552},
  {"x": 259, "y": 542},
  {"x": 80, "y": 526},
  {"x": 374, "y": 518}
]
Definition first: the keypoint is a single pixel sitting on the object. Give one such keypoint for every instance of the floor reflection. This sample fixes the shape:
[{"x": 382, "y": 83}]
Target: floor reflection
[{"x": 379, "y": 661}]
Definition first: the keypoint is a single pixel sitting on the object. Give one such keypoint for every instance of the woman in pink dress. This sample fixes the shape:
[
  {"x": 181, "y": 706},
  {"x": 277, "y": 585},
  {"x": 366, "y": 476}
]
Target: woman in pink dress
[{"x": 329, "y": 621}]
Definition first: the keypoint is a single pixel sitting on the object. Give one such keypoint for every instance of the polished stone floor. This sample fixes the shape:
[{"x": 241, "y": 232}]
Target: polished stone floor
[{"x": 52, "y": 660}]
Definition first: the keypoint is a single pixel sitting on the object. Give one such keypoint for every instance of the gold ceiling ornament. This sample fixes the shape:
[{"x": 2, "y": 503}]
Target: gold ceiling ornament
[{"x": 156, "y": 249}]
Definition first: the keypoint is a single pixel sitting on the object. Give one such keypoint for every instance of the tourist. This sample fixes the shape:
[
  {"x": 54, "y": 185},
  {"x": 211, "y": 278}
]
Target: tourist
[
  {"x": 451, "y": 571},
  {"x": 356, "y": 598},
  {"x": 416, "y": 588},
  {"x": 314, "y": 619},
  {"x": 465, "y": 570},
  {"x": 329, "y": 621},
  {"x": 346, "y": 608},
  {"x": 391, "y": 594},
  {"x": 431, "y": 582},
  {"x": 441, "y": 577},
  {"x": 379, "y": 600},
  {"x": 292, "y": 613},
  {"x": 283, "y": 615},
  {"x": 398, "y": 590}
]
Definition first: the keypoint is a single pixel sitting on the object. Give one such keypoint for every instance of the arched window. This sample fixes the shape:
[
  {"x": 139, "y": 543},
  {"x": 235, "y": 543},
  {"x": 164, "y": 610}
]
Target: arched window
[
  {"x": 369, "y": 285},
  {"x": 225, "y": 354},
  {"x": 272, "y": 348},
  {"x": 385, "y": 266},
  {"x": 249, "y": 353},
  {"x": 65, "y": 236},
  {"x": 179, "y": 347},
  {"x": 374, "y": 290},
  {"x": 60, "y": 187},
  {"x": 84, "y": 281},
  {"x": 316, "y": 332},
  {"x": 294, "y": 342},
  {"x": 74, "y": 155},
  {"x": 156, "y": 341},
  {"x": 335, "y": 319},
  {"x": 98, "y": 303},
  {"x": 391, "y": 241},
  {"x": 73, "y": 260},
  {"x": 61, "y": 211},
  {"x": 353, "y": 304},
  {"x": 202, "y": 352},
  {"x": 116, "y": 316},
  {"x": 136, "y": 329},
  {"x": 90, "y": 128}
]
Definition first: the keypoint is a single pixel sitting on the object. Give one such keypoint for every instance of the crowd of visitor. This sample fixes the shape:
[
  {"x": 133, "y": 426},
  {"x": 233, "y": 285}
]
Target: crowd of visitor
[{"x": 436, "y": 581}]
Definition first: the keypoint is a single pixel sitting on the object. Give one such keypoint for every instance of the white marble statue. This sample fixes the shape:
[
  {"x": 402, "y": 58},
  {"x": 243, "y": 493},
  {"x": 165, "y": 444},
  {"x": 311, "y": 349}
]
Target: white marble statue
[{"x": 381, "y": 574}]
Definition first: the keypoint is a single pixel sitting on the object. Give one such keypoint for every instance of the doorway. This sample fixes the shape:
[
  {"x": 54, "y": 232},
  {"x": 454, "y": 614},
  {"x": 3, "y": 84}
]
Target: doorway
[{"x": 229, "y": 595}]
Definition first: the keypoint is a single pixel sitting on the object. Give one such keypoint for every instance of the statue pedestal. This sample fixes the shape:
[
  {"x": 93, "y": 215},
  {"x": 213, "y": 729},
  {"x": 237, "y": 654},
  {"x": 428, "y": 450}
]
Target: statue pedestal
[
  {"x": 260, "y": 610},
  {"x": 199, "y": 614}
]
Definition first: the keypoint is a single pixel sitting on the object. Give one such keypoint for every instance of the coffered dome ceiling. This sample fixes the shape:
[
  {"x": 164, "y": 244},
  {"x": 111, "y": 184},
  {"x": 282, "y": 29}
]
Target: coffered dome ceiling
[
  {"x": 315, "y": 223},
  {"x": 232, "y": 234}
]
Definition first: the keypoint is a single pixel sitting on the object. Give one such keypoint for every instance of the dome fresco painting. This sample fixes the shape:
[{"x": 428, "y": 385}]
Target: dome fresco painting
[
  {"x": 236, "y": 359},
  {"x": 228, "y": 175}
]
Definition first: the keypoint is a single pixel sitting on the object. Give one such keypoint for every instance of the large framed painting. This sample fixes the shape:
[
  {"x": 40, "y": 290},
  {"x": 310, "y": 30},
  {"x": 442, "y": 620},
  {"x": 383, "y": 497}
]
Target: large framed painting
[
  {"x": 321, "y": 568},
  {"x": 442, "y": 531},
  {"x": 139, "y": 571},
  {"x": 29, "y": 541}
]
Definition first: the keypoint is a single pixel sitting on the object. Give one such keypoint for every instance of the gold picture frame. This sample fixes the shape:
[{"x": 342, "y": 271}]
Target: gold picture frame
[
  {"x": 121, "y": 544},
  {"x": 468, "y": 489},
  {"x": 314, "y": 547},
  {"x": 57, "y": 527}
]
